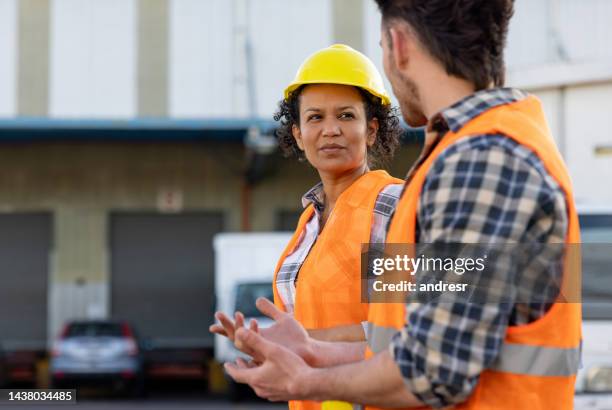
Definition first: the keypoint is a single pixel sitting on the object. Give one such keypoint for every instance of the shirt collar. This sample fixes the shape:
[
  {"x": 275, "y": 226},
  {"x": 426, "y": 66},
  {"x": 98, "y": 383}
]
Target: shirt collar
[
  {"x": 460, "y": 113},
  {"x": 316, "y": 197}
]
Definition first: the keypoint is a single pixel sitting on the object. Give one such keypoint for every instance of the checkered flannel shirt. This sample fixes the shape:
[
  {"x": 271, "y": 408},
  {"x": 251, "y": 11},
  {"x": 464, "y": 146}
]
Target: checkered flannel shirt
[
  {"x": 483, "y": 189},
  {"x": 288, "y": 274}
]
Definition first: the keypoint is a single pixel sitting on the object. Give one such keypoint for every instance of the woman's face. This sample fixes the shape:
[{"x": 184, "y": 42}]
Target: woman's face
[{"x": 334, "y": 132}]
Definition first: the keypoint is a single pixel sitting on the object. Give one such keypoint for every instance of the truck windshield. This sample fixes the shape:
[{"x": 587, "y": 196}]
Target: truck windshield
[
  {"x": 247, "y": 294},
  {"x": 596, "y": 232}
]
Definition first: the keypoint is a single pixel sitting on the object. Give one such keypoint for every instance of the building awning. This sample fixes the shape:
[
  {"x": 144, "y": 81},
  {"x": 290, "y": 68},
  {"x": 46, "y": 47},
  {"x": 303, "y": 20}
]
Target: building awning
[
  {"x": 142, "y": 129},
  {"x": 36, "y": 129}
]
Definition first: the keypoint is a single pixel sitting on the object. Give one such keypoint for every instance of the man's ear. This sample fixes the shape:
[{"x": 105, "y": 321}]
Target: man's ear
[
  {"x": 297, "y": 135},
  {"x": 402, "y": 45},
  {"x": 373, "y": 126}
]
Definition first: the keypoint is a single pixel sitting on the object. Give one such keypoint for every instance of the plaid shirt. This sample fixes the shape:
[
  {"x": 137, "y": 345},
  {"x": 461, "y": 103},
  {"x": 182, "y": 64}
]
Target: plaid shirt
[
  {"x": 483, "y": 189},
  {"x": 288, "y": 273}
]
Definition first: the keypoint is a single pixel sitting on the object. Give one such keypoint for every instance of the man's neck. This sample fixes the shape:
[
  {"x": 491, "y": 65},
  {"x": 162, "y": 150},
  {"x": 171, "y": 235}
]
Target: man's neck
[{"x": 440, "y": 92}]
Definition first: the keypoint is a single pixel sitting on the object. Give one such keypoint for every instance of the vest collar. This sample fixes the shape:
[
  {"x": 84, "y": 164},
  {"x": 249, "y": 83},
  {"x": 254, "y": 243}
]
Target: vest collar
[
  {"x": 367, "y": 181},
  {"x": 460, "y": 113}
]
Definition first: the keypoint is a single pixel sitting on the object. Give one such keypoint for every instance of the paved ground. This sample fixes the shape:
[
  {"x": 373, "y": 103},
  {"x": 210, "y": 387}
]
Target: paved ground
[
  {"x": 154, "y": 404},
  {"x": 177, "y": 396},
  {"x": 163, "y": 401}
]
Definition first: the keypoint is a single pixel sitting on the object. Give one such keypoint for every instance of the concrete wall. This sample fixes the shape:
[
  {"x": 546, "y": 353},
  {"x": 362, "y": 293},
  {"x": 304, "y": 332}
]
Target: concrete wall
[
  {"x": 580, "y": 117},
  {"x": 552, "y": 31},
  {"x": 188, "y": 58},
  {"x": 588, "y": 119},
  {"x": 33, "y": 60},
  {"x": 162, "y": 58}
]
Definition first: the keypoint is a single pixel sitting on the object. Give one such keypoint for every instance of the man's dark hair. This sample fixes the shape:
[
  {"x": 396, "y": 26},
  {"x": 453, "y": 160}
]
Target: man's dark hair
[{"x": 467, "y": 36}]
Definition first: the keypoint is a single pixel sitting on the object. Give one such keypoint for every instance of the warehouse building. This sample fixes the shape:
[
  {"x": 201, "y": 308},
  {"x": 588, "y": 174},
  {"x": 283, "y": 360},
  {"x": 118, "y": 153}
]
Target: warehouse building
[{"x": 133, "y": 131}]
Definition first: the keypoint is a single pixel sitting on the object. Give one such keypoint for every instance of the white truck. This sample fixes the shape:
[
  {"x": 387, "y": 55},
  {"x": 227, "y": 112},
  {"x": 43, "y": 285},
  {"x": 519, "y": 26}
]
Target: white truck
[
  {"x": 594, "y": 381},
  {"x": 244, "y": 269}
]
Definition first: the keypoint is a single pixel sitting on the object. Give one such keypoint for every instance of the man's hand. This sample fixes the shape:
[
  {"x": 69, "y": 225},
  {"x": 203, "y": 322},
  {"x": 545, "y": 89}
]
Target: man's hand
[{"x": 279, "y": 375}]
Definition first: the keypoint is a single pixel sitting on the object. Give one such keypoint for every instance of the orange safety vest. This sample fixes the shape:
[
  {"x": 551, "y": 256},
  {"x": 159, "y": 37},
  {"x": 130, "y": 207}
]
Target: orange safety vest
[
  {"x": 328, "y": 291},
  {"x": 538, "y": 362}
]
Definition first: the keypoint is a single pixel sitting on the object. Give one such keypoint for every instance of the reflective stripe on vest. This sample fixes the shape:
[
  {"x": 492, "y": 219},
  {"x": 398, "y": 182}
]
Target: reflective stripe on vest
[
  {"x": 379, "y": 337},
  {"x": 513, "y": 358},
  {"x": 537, "y": 360}
]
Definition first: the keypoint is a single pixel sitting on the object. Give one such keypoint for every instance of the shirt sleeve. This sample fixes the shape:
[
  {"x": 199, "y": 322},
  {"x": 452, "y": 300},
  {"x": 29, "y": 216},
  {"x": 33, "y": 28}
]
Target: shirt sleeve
[{"x": 478, "y": 191}]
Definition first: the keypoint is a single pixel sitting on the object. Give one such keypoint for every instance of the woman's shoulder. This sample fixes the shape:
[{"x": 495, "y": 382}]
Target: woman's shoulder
[
  {"x": 385, "y": 178},
  {"x": 389, "y": 193},
  {"x": 367, "y": 190}
]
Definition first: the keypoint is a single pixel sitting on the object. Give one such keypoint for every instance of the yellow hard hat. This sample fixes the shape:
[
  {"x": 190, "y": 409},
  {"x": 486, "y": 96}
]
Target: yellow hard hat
[{"x": 340, "y": 64}]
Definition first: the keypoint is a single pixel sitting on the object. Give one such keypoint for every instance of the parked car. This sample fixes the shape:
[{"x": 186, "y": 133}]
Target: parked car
[{"x": 98, "y": 353}]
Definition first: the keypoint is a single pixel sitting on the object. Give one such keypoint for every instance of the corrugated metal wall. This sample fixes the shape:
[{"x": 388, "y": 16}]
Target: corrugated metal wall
[
  {"x": 8, "y": 55},
  {"x": 99, "y": 64},
  {"x": 560, "y": 50},
  {"x": 547, "y": 31},
  {"x": 25, "y": 247},
  {"x": 176, "y": 58},
  {"x": 208, "y": 75},
  {"x": 92, "y": 59},
  {"x": 588, "y": 126},
  {"x": 163, "y": 275}
]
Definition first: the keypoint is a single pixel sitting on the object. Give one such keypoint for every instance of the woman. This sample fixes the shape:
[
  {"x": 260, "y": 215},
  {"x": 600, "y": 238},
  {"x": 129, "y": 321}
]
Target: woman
[{"x": 336, "y": 115}]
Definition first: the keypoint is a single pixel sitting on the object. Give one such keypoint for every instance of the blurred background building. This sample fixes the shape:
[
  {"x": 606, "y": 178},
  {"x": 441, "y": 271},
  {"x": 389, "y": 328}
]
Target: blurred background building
[{"x": 133, "y": 131}]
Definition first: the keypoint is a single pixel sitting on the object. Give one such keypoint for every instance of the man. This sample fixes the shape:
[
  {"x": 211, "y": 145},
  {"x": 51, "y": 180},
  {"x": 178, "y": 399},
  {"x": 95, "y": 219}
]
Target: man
[{"x": 488, "y": 173}]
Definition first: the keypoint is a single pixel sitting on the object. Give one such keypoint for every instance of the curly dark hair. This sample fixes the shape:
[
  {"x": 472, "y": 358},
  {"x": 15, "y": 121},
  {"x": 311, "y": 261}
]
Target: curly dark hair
[
  {"x": 379, "y": 154},
  {"x": 466, "y": 36}
]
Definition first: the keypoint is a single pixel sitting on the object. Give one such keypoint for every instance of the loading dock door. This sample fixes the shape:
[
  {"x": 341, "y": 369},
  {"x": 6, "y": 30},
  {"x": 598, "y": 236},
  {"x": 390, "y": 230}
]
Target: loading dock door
[
  {"x": 25, "y": 243},
  {"x": 163, "y": 275}
]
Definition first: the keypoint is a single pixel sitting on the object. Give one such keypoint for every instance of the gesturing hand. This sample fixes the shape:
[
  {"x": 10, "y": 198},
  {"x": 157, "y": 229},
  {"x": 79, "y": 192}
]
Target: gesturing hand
[
  {"x": 279, "y": 374},
  {"x": 285, "y": 331},
  {"x": 228, "y": 328}
]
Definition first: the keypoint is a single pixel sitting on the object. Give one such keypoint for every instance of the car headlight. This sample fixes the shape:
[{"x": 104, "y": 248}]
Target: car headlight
[{"x": 598, "y": 380}]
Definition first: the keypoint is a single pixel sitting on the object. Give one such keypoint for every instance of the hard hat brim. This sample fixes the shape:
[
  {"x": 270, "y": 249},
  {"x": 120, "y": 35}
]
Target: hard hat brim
[{"x": 385, "y": 100}]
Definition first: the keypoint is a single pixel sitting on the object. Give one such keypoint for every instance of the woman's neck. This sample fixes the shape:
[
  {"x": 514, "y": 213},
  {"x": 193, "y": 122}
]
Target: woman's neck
[{"x": 335, "y": 184}]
